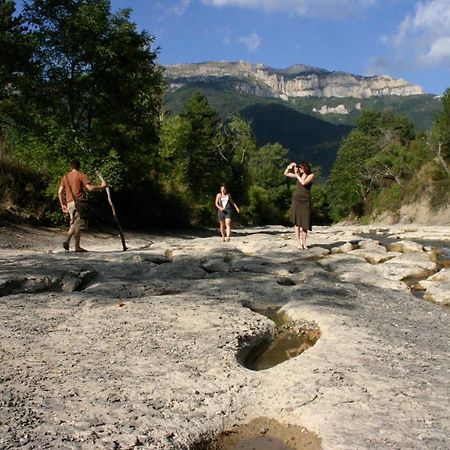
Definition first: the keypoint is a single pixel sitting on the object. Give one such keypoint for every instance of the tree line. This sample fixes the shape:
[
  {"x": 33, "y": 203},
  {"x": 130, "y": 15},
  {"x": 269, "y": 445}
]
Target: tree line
[
  {"x": 79, "y": 81},
  {"x": 383, "y": 163}
]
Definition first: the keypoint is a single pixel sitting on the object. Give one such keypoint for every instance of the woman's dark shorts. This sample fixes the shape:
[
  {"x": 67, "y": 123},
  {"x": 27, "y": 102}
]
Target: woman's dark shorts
[{"x": 224, "y": 215}]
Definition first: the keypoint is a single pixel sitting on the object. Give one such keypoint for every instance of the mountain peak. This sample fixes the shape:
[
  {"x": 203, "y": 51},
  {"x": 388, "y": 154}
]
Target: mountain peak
[{"x": 299, "y": 80}]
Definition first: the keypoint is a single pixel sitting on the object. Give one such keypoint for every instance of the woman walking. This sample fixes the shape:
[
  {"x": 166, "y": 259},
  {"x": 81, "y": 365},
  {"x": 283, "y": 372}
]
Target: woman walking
[
  {"x": 301, "y": 200},
  {"x": 223, "y": 204}
]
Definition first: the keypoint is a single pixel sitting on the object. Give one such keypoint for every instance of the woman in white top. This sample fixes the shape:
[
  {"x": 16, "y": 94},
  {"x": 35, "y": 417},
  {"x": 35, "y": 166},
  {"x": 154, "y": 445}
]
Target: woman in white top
[{"x": 223, "y": 204}]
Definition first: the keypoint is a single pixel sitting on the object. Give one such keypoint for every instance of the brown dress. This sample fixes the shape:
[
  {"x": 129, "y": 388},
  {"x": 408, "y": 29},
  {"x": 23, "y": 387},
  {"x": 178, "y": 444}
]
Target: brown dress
[{"x": 301, "y": 206}]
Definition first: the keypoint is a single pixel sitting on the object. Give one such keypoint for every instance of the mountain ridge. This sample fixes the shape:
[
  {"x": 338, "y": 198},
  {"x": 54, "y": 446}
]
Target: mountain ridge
[{"x": 298, "y": 80}]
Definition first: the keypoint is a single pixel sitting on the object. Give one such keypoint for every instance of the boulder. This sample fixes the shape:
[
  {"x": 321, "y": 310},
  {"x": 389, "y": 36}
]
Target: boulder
[
  {"x": 342, "y": 263},
  {"x": 405, "y": 247},
  {"x": 374, "y": 255},
  {"x": 374, "y": 279},
  {"x": 216, "y": 264},
  {"x": 370, "y": 244},
  {"x": 344, "y": 248},
  {"x": 437, "y": 287},
  {"x": 422, "y": 260}
]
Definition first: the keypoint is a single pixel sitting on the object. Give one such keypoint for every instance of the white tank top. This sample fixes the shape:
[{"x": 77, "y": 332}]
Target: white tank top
[{"x": 224, "y": 200}]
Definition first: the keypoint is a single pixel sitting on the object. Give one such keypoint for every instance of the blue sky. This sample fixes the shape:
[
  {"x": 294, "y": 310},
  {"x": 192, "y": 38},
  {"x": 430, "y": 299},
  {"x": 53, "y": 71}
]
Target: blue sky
[{"x": 406, "y": 39}]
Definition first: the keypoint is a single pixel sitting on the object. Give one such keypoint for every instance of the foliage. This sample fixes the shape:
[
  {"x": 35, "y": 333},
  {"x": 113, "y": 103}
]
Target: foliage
[
  {"x": 269, "y": 193},
  {"x": 202, "y": 162},
  {"x": 22, "y": 190},
  {"x": 261, "y": 209},
  {"x": 379, "y": 166},
  {"x": 347, "y": 184},
  {"x": 319, "y": 204},
  {"x": 236, "y": 146},
  {"x": 94, "y": 88},
  {"x": 16, "y": 51},
  {"x": 226, "y": 96},
  {"x": 77, "y": 81},
  {"x": 442, "y": 127},
  {"x": 305, "y": 137},
  {"x": 90, "y": 90}
]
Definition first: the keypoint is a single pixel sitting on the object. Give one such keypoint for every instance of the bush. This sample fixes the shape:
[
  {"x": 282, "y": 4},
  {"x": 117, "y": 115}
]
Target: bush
[
  {"x": 261, "y": 209},
  {"x": 23, "y": 191}
]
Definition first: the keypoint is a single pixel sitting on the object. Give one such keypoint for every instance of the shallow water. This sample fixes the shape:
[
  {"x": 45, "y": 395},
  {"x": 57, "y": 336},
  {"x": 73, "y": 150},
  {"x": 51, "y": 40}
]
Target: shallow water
[
  {"x": 264, "y": 434},
  {"x": 441, "y": 256},
  {"x": 289, "y": 341}
]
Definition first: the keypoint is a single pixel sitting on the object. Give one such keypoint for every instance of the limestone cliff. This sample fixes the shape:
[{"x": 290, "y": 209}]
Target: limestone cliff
[{"x": 296, "y": 81}]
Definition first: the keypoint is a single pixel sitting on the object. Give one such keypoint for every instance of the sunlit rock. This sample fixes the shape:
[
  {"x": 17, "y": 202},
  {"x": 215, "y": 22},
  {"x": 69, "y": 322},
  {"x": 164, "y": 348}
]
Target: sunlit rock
[{"x": 405, "y": 247}]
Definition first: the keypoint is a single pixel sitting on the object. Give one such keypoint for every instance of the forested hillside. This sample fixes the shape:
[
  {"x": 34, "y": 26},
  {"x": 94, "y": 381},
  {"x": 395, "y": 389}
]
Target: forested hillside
[
  {"x": 306, "y": 137},
  {"x": 77, "y": 81},
  {"x": 383, "y": 164},
  {"x": 224, "y": 95}
]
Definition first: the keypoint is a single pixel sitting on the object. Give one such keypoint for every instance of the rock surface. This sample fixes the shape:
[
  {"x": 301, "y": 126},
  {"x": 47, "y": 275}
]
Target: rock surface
[
  {"x": 113, "y": 349},
  {"x": 296, "y": 81}
]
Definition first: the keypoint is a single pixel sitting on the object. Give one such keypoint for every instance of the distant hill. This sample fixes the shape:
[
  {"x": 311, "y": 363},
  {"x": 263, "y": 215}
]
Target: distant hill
[
  {"x": 296, "y": 81},
  {"x": 308, "y": 110},
  {"x": 306, "y": 137}
]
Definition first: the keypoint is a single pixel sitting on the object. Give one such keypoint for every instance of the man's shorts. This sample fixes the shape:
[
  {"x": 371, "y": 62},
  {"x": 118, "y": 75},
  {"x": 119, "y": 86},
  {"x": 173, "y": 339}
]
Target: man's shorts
[{"x": 75, "y": 219}]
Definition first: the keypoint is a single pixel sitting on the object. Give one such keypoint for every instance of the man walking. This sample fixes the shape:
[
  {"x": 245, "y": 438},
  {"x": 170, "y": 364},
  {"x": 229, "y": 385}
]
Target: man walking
[{"x": 72, "y": 198}]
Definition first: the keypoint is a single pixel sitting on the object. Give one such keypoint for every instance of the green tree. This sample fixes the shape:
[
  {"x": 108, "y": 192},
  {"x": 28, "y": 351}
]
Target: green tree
[
  {"x": 16, "y": 50},
  {"x": 98, "y": 89},
  {"x": 270, "y": 193},
  {"x": 441, "y": 132},
  {"x": 236, "y": 145},
  {"x": 203, "y": 165},
  {"x": 380, "y": 152},
  {"x": 174, "y": 159},
  {"x": 347, "y": 184}
]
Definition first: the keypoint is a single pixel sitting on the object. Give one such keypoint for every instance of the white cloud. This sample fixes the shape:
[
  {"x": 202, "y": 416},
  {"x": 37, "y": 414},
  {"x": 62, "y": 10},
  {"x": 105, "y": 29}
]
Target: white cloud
[
  {"x": 318, "y": 8},
  {"x": 424, "y": 38},
  {"x": 252, "y": 41},
  {"x": 180, "y": 8},
  {"x": 439, "y": 51},
  {"x": 224, "y": 35},
  {"x": 377, "y": 66},
  {"x": 177, "y": 8}
]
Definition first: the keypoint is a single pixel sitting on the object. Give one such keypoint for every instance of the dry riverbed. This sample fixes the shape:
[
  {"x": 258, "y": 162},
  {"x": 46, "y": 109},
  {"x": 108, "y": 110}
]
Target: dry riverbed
[{"x": 117, "y": 350}]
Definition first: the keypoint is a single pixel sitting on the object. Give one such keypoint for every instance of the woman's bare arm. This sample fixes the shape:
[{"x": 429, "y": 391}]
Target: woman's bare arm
[
  {"x": 305, "y": 181},
  {"x": 287, "y": 171},
  {"x": 218, "y": 205}
]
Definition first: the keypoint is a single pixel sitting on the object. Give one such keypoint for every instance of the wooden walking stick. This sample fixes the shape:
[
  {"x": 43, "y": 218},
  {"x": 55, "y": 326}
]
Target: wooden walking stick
[{"x": 108, "y": 192}]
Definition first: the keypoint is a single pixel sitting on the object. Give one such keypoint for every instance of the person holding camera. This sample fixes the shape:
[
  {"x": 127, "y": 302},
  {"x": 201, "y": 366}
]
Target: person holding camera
[
  {"x": 301, "y": 200},
  {"x": 223, "y": 204}
]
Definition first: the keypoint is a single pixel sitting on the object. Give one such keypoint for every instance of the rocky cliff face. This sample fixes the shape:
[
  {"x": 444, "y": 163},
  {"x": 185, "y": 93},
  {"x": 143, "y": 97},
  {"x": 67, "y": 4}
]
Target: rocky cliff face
[{"x": 296, "y": 81}]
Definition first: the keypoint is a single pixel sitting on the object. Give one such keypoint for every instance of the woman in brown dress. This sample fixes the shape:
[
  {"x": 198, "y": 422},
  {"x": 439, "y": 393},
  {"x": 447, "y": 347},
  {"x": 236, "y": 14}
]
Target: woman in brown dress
[{"x": 301, "y": 200}]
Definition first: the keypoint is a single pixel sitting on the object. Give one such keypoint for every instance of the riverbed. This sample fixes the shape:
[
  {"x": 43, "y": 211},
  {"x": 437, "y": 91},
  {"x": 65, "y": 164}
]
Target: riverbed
[{"x": 143, "y": 348}]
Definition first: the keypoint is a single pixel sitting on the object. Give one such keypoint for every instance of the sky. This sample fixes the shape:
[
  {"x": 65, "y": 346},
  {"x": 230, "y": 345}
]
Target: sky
[{"x": 406, "y": 39}]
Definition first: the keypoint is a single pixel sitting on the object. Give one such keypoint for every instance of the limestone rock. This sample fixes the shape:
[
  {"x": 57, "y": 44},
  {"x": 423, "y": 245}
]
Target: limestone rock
[
  {"x": 373, "y": 279},
  {"x": 400, "y": 272},
  {"x": 422, "y": 260},
  {"x": 437, "y": 287},
  {"x": 344, "y": 248},
  {"x": 216, "y": 264},
  {"x": 147, "y": 356},
  {"x": 442, "y": 275},
  {"x": 374, "y": 255},
  {"x": 371, "y": 244},
  {"x": 296, "y": 81},
  {"x": 405, "y": 247},
  {"x": 342, "y": 263}
]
